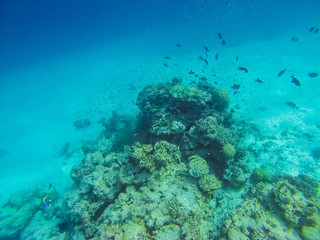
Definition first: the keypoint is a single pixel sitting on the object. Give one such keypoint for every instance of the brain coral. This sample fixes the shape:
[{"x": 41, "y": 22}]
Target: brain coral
[{"x": 198, "y": 166}]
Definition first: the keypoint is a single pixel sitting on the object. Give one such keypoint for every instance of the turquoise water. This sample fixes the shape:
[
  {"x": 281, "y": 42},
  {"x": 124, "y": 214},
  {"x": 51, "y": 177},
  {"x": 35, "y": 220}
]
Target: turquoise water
[{"x": 81, "y": 125}]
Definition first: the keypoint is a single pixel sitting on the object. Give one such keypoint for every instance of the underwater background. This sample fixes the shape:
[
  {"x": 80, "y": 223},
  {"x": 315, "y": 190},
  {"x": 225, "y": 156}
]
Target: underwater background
[{"x": 229, "y": 125}]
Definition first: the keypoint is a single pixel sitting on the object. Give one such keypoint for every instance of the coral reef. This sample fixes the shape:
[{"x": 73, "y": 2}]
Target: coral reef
[
  {"x": 179, "y": 170},
  {"x": 156, "y": 184}
]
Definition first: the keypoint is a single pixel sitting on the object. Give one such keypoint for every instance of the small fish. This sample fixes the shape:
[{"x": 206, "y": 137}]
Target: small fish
[
  {"x": 294, "y": 39},
  {"x": 196, "y": 75},
  {"x": 215, "y": 82},
  {"x": 203, "y": 79},
  {"x": 237, "y": 58},
  {"x": 166, "y": 65},
  {"x": 313, "y": 74},
  {"x": 191, "y": 72},
  {"x": 206, "y": 48},
  {"x": 223, "y": 42},
  {"x": 235, "y": 86},
  {"x": 243, "y": 69},
  {"x": 46, "y": 201},
  {"x": 291, "y": 104},
  {"x": 220, "y": 35},
  {"x": 281, "y": 72},
  {"x": 216, "y": 56},
  {"x": 258, "y": 80},
  {"x": 227, "y": 4},
  {"x": 295, "y": 81},
  {"x": 178, "y": 45},
  {"x": 314, "y": 30},
  {"x": 192, "y": 82},
  {"x": 166, "y": 57},
  {"x": 203, "y": 59}
]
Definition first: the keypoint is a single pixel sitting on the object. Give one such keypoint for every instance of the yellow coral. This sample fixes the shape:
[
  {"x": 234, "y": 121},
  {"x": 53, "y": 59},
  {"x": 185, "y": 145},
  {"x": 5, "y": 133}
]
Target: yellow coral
[{"x": 229, "y": 151}]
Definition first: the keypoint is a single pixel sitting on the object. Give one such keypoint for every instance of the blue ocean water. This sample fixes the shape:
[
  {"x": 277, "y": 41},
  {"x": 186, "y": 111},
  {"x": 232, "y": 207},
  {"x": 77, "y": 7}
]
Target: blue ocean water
[{"x": 64, "y": 65}]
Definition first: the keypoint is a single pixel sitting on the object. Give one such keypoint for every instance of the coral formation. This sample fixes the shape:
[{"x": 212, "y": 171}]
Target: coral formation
[
  {"x": 198, "y": 166},
  {"x": 209, "y": 182},
  {"x": 171, "y": 173},
  {"x": 228, "y": 151},
  {"x": 260, "y": 175}
]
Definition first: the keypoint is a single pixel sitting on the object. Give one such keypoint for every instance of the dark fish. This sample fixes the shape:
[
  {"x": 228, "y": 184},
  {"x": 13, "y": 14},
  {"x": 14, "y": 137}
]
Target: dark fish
[
  {"x": 232, "y": 110},
  {"x": 314, "y": 30},
  {"x": 166, "y": 57},
  {"x": 206, "y": 48},
  {"x": 313, "y": 74},
  {"x": 294, "y": 39},
  {"x": 216, "y": 56},
  {"x": 295, "y": 81},
  {"x": 291, "y": 104},
  {"x": 50, "y": 185},
  {"x": 206, "y": 54},
  {"x": 203, "y": 79},
  {"x": 166, "y": 65},
  {"x": 203, "y": 59},
  {"x": 237, "y": 58},
  {"x": 235, "y": 86},
  {"x": 258, "y": 80},
  {"x": 281, "y": 72},
  {"x": 178, "y": 45},
  {"x": 191, "y": 72},
  {"x": 223, "y": 42},
  {"x": 215, "y": 82},
  {"x": 192, "y": 82},
  {"x": 220, "y": 36},
  {"x": 196, "y": 75},
  {"x": 243, "y": 69},
  {"x": 227, "y": 4}
]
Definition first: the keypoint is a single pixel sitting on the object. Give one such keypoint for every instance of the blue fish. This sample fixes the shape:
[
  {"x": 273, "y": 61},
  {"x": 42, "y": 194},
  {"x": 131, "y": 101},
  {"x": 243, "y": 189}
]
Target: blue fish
[{"x": 46, "y": 201}]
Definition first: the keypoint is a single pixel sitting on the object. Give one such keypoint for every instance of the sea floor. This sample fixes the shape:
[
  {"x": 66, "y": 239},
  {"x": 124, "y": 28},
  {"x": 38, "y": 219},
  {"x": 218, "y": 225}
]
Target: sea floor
[{"x": 39, "y": 105}]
